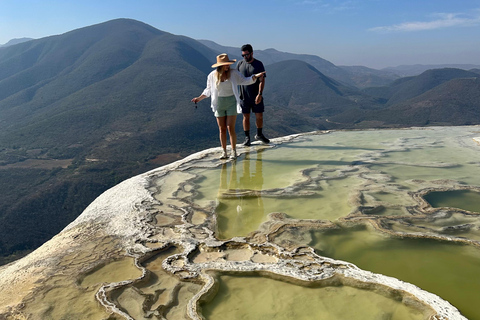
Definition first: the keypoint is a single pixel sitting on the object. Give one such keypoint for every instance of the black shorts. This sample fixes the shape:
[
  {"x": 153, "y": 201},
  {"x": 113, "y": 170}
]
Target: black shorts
[{"x": 249, "y": 106}]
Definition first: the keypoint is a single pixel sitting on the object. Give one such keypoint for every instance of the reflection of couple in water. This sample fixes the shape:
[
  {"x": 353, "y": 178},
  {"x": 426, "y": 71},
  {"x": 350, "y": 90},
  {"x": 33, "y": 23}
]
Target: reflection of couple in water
[{"x": 240, "y": 209}]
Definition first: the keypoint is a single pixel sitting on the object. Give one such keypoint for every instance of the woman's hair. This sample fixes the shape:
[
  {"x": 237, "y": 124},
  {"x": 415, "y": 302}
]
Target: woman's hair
[{"x": 219, "y": 74}]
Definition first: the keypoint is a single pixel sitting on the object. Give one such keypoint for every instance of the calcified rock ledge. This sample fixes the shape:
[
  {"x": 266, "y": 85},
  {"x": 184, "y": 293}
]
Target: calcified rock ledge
[{"x": 134, "y": 219}]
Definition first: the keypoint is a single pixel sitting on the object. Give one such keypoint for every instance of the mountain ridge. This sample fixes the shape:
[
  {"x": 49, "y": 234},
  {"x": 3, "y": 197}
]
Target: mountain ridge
[
  {"x": 15, "y": 41},
  {"x": 453, "y": 102},
  {"x": 410, "y": 87},
  {"x": 459, "y": 97},
  {"x": 416, "y": 69}
]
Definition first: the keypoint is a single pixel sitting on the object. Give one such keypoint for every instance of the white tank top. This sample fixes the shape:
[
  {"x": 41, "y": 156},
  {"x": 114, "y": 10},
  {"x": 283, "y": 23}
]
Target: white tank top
[{"x": 225, "y": 89}]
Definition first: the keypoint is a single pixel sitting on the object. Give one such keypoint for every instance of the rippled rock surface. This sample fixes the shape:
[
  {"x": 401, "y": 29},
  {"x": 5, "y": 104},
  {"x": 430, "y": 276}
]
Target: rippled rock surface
[{"x": 343, "y": 224}]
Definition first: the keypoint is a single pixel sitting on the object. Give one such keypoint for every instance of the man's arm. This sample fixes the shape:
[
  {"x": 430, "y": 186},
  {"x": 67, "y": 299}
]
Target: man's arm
[{"x": 259, "y": 97}]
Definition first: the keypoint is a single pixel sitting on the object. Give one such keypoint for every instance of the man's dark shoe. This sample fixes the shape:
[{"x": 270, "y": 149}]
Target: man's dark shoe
[
  {"x": 262, "y": 138},
  {"x": 247, "y": 142}
]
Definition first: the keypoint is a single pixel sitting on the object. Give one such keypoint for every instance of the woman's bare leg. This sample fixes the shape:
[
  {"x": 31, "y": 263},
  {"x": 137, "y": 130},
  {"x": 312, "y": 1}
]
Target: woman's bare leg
[
  {"x": 231, "y": 131},
  {"x": 222, "y": 128}
]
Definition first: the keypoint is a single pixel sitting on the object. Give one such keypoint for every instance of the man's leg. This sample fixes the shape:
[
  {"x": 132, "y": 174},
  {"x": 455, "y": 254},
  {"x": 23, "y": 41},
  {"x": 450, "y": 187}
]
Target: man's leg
[
  {"x": 259, "y": 123},
  {"x": 259, "y": 120},
  {"x": 246, "y": 129}
]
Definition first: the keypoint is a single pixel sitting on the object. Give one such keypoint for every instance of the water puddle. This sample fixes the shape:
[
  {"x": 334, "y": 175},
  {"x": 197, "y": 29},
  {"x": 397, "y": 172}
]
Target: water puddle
[
  {"x": 66, "y": 295},
  {"x": 243, "y": 203},
  {"x": 255, "y": 297},
  {"x": 116, "y": 271},
  {"x": 462, "y": 199},
  {"x": 168, "y": 192},
  {"x": 159, "y": 295},
  {"x": 240, "y": 215},
  {"x": 429, "y": 164},
  {"x": 447, "y": 269}
]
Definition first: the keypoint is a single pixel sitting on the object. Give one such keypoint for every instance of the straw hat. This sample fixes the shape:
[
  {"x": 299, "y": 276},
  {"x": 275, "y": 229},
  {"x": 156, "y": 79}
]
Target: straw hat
[{"x": 222, "y": 59}]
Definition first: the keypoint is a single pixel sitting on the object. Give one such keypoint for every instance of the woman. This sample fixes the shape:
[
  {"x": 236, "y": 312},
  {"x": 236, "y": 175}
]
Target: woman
[{"x": 222, "y": 87}]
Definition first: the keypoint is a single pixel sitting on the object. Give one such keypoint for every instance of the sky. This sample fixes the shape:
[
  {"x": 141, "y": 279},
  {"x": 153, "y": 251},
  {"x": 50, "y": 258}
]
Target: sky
[{"x": 371, "y": 33}]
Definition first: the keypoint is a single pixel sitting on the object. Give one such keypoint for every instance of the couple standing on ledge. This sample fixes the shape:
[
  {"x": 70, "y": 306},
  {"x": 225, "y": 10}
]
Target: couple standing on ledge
[{"x": 223, "y": 86}]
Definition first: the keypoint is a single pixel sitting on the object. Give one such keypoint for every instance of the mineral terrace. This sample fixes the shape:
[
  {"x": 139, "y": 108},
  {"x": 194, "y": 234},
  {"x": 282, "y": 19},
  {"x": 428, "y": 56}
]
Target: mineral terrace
[{"x": 148, "y": 248}]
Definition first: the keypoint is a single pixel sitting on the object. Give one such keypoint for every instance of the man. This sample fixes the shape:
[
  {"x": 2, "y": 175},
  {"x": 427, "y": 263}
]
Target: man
[{"x": 251, "y": 98}]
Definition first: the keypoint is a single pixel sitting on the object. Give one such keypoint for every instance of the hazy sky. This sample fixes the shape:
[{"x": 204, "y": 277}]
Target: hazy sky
[{"x": 372, "y": 33}]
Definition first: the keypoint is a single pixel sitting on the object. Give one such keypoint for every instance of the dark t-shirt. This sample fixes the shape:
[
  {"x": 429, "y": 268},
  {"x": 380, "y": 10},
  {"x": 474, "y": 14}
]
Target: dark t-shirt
[{"x": 250, "y": 92}]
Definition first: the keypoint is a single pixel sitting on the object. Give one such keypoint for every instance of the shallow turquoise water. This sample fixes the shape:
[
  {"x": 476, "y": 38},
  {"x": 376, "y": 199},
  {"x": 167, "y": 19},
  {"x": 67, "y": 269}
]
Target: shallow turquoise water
[
  {"x": 446, "y": 269},
  {"x": 250, "y": 297},
  {"x": 463, "y": 199},
  {"x": 373, "y": 168}
]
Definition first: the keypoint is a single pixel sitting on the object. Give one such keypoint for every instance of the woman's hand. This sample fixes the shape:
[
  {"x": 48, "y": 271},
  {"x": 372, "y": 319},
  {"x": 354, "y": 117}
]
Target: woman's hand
[
  {"x": 198, "y": 99},
  {"x": 259, "y": 75}
]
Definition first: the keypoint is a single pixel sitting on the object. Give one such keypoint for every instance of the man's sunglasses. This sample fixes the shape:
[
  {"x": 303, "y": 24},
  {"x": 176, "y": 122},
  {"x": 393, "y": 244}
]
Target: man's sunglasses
[{"x": 246, "y": 55}]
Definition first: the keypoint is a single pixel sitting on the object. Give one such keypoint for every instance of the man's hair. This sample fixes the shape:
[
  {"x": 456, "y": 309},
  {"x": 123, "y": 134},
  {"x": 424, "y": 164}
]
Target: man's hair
[{"x": 247, "y": 47}]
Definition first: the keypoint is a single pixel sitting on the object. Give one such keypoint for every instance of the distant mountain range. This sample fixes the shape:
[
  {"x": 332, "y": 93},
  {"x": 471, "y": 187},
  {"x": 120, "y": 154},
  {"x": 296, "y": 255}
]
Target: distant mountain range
[
  {"x": 452, "y": 102},
  {"x": 436, "y": 97},
  {"x": 415, "y": 70},
  {"x": 15, "y": 41},
  {"x": 410, "y": 87},
  {"x": 82, "y": 111}
]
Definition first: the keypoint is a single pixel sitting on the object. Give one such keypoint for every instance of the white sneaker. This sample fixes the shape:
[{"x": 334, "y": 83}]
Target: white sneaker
[
  {"x": 224, "y": 155},
  {"x": 233, "y": 155}
]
